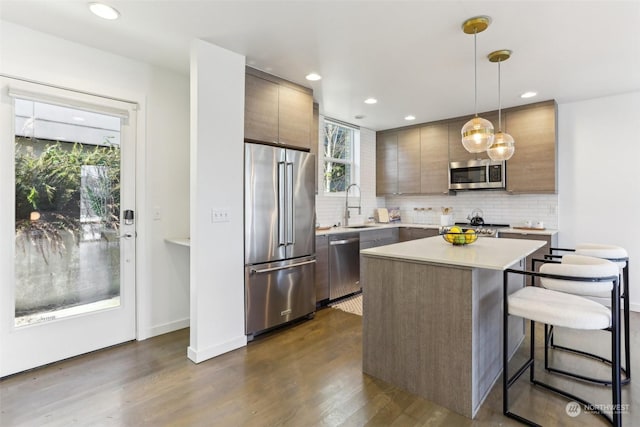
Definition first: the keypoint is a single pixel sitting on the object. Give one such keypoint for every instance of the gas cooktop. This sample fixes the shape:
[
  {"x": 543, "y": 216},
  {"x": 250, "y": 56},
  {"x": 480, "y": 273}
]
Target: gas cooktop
[
  {"x": 488, "y": 230},
  {"x": 466, "y": 224}
]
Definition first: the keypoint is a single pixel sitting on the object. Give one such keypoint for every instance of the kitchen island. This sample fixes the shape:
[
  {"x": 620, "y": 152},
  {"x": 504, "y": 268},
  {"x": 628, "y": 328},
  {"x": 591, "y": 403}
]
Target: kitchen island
[{"x": 432, "y": 316}]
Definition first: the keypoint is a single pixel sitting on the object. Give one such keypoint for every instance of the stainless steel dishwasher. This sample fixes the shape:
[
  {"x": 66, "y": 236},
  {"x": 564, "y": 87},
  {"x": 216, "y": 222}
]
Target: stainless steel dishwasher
[{"x": 344, "y": 264}]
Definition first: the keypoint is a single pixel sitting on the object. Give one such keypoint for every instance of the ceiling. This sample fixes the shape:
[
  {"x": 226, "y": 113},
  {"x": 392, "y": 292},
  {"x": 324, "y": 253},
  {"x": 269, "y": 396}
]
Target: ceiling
[{"x": 410, "y": 55}]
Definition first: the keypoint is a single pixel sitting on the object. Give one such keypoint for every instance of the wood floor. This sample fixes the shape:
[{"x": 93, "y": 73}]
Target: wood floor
[{"x": 306, "y": 375}]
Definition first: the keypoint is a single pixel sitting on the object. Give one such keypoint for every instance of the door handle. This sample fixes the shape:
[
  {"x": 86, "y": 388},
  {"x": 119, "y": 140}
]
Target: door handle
[
  {"x": 126, "y": 236},
  {"x": 344, "y": 242},
  {"x": 291, "y": 238},
  {"x": 282, "y": 212}
]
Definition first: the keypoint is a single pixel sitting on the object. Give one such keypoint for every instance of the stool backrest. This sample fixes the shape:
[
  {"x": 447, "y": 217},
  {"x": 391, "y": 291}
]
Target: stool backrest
[
  {"x": 598, "y": 250},
  {"x": 580, "y": 266}
]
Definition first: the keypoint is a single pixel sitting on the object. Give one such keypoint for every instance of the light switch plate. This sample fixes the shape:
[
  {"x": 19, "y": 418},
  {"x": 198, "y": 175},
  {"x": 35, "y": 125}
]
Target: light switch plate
[{"x": 220, "y": 215}]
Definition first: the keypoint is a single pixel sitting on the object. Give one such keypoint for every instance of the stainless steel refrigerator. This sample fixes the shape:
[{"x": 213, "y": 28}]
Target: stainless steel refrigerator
[{"x": 279, "y": 206}]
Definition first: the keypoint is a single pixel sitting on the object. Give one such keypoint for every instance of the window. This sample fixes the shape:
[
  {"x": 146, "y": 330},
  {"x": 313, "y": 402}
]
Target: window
[{"x": 338, "y": 152}]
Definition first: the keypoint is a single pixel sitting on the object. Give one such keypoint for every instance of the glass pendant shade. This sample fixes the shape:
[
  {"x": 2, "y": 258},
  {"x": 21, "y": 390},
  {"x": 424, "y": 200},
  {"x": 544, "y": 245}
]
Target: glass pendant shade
[
  {"x": 477, "y": 135},
  {"x": 503, "y": 147}
]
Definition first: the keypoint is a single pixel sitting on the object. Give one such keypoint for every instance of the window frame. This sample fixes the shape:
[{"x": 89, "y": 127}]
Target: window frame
[{"x": 352, "y": 151}]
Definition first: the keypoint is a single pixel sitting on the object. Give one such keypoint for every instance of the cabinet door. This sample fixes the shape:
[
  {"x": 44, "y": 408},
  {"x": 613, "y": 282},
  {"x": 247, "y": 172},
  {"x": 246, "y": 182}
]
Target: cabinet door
[
  {"x": 532, "y": 169},
  {"x": 375, "y": 238},
  {"x": 260, "y": 110},
  {"x": 457, "y": 152},
  {"x": 413, "y": 233},
  {"x": 295, "y": 117},
  {"x": 322, "y": 268},
  {"x": 409, "y": 161},
  {"x": 434, "y": 159},
  {"x": 387, "y": 163}
]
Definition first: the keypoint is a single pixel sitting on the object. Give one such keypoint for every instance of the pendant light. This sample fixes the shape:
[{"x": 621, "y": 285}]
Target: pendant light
[
  {"x": 503, "y": 144},
  {"x": 477, "y": 133}
]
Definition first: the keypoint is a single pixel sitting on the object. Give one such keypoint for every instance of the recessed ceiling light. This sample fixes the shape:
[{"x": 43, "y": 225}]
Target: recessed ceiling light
[
  {"x": 528, "y": 94},
  {"x": 104, "y": 11},
  {"x": 78, "y": 118},
  {"x": 370, "y": 101},
  {"x": 410, "y": 117},
  {"x": 313, "y": 77}
]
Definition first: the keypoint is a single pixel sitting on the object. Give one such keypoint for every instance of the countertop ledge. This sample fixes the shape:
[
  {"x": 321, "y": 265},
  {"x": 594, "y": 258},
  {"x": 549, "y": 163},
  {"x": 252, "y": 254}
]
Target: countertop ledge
[
  {"x": 182, "y": 241},
  {"x": 377, "y": 226}
]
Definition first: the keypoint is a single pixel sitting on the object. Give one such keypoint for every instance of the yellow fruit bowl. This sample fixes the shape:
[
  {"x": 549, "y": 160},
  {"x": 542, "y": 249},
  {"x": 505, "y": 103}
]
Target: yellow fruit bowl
[{"x": 458, "y": 236}]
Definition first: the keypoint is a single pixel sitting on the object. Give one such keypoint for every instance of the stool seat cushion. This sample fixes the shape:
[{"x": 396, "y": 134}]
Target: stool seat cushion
[
  {"x": 580, "y": 266},
  {"x": 558, "y": 308}
]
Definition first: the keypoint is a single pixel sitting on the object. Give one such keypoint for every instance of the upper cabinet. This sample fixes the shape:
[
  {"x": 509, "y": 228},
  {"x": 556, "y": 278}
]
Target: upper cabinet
[
  {"x": 409, "y": 161},
  {"x": 532, "y": 169},
  {"x": 434, "y": 159},
  {"x": 387, "y": 163},
  {"x": 277, "y": 111},
  {"x": 398, "y": 162},
  {"x": 415, "y": 160}
]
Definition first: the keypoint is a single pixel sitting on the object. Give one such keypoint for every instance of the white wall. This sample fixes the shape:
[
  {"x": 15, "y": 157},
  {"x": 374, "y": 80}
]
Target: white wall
[
  {"x": 163, "y": 155},
  {"x": 598, "y": 179},
  {"x": 330, "y": 207},
  {"x": 217, "y": 249}
]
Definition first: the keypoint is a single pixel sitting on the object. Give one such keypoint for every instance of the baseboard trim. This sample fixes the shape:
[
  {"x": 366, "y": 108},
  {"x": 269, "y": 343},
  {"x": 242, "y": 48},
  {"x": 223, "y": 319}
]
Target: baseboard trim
[
  {"x": 634, "y": 307},
  {"x": 198, "y": 356},
  {"x": 163, "y": 329}
]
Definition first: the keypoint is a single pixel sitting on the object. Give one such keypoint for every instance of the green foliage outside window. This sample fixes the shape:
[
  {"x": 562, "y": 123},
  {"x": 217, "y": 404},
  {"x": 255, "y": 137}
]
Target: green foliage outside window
[
  {"x": 48, "y": 190},
  {"x": 338, "y": 156}
]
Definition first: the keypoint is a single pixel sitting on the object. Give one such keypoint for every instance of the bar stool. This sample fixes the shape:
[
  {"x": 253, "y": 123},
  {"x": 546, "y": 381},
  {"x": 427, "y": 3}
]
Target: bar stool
[
  {"x": 620, "y": 257},
  {"x": 556, "y": 308}
]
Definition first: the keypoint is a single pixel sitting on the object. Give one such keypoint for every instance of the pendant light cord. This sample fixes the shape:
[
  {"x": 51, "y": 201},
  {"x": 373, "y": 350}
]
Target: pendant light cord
[
  {"x": 475, "y": 71},
  {"x": 499, "y": 100}
]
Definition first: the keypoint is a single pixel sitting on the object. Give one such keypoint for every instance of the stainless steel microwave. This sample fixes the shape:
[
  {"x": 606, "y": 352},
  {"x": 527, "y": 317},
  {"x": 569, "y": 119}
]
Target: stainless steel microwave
[{"x": 476, "y": 174}]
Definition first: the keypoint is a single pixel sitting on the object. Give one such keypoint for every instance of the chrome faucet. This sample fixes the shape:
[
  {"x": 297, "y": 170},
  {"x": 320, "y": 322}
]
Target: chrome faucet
[{"x": 347, "y": 207}]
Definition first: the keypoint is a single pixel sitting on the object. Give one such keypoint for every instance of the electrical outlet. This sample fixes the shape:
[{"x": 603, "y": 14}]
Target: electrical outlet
[{"x": 220, "y": 215}]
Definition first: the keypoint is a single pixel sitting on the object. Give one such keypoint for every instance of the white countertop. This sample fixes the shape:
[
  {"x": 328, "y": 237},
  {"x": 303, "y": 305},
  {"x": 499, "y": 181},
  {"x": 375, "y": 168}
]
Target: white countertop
[
  {"x": 181, "y": 241},
  {"x": 489, "y": 253},
  {"x": 377, "y": 226}
]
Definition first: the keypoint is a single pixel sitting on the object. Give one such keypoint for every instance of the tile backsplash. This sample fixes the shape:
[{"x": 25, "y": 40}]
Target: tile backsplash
[{"x": 498, "y": 207}]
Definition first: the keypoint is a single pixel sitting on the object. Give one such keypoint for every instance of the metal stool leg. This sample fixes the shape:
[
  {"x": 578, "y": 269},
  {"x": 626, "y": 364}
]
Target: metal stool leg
[
  {"x": 549, "y": 333},
  {"x": 616, "y": 418}
]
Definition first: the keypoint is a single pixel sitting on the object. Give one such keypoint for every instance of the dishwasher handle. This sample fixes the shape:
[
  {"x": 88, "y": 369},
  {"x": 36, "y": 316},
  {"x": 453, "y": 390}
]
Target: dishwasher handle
[{"x": 344, "y": 241}]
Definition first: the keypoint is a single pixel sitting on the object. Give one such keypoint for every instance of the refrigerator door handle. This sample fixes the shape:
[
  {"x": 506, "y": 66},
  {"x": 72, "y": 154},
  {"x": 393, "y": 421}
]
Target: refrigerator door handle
[
  {"x": 283, "y": 267},
  {"x": 291, "y": 238},
  {"x": 282, "y": 213}
]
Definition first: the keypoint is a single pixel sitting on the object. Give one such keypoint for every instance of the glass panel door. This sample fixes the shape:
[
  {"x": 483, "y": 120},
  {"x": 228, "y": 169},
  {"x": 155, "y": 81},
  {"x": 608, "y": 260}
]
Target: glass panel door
[
  {"x": 69, "y": 287},
  {"x": 67, "y": 198}
]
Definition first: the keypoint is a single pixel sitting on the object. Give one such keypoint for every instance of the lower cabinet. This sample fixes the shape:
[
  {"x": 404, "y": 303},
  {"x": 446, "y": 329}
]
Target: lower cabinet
[
  {"x": 374, "y": 238},
  {"x": 322, "y": 268},
  {"x": 413, "y": 233}
]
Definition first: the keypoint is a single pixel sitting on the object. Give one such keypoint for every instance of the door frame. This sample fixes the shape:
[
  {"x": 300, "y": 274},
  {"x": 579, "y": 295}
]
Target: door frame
[{"x": 7, "y": 216}]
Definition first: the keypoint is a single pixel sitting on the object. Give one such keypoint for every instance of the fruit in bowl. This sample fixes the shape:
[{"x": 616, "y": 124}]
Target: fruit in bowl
[{"x": 458, "y": 236}]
